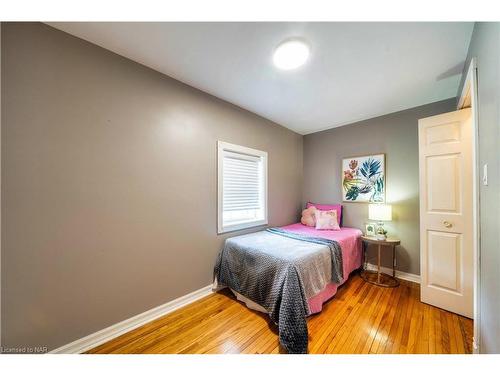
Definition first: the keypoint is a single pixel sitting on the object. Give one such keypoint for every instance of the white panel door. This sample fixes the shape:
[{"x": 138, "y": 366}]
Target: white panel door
[{"x": 446, "y": 222}]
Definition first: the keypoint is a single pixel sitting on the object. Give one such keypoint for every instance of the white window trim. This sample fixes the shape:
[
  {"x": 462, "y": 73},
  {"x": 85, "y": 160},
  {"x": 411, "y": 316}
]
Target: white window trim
[{"x": 221, "y": 147}]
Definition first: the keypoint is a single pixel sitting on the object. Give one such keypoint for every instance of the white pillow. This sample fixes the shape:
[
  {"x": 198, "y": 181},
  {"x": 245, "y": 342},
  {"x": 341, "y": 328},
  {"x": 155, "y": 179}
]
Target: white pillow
[{"x": 327, "y": 220}]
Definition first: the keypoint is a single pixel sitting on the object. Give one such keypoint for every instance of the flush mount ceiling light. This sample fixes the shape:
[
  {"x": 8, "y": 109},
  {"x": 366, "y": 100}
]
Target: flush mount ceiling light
[{"x": 291, "y": 54}]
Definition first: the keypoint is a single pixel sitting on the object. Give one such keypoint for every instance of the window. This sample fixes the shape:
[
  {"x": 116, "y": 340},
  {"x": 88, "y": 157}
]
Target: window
[{"x": 242, "y": 187}]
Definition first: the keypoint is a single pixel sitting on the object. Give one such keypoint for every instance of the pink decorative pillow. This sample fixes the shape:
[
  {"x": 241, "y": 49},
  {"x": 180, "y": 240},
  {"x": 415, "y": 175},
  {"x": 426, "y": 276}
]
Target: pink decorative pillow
[
  {"x": 308, "y": 217},
  {"x": 328, "y": 207},
  {"x": 327, "y": 220}
]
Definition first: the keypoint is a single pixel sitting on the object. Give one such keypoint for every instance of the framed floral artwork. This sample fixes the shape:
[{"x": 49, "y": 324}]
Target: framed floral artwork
[{"x": 363, "y": 179}]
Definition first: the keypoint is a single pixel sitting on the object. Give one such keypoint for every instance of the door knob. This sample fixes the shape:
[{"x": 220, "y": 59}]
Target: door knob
[{"x": 447, "y": 224}]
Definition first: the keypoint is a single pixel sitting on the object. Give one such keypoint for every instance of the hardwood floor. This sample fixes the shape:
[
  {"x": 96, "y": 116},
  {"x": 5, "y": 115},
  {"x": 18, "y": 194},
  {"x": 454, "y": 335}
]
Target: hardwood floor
[{"x": 361, "y": 318}]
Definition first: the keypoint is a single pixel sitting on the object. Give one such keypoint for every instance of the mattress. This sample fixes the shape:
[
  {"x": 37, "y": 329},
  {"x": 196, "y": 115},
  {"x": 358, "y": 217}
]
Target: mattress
[{"x": 349, "y": 240}]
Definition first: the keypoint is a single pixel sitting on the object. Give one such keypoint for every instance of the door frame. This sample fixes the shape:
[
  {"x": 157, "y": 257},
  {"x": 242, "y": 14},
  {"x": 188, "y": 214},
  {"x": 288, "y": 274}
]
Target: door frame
[{"x": 469, "y": 98}]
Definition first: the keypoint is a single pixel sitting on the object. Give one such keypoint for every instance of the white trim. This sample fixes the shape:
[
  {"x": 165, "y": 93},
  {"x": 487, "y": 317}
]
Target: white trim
[
  {"x": 467, "y": 84},
  {"x": 240, "y": 226},
  {"x": 399, "y": 274},
  {"x": 118, "y": 329},
  {"x": 475, "y": 347},
  {"x": 470, "y": 90},
  {"x": 221, "y": 147}
]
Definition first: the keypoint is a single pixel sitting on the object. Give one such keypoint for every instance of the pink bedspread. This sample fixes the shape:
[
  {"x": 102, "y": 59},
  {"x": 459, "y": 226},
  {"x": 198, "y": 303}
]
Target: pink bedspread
[{"x": 349, "y": 240}]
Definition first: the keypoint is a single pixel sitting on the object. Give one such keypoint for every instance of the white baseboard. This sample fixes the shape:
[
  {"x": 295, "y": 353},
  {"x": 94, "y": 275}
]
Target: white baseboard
[
  {"x": 109, "y": 333},
  {"x": 399, "y": 274}
]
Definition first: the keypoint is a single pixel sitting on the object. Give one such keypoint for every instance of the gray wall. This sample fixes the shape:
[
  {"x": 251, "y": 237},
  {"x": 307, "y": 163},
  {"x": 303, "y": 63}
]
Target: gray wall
[
  {"x": 485, "y": 46},
  {"x": 396, "y": 135},
  {"x": 109, "y": 185}
]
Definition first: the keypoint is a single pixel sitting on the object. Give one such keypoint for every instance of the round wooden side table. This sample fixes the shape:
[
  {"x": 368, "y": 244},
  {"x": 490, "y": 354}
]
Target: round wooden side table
[{"x": 377, "y": 277}]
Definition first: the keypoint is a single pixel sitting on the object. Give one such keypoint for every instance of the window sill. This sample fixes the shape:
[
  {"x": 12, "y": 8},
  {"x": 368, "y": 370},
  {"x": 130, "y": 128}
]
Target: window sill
[{"x": 240, "y": 226}]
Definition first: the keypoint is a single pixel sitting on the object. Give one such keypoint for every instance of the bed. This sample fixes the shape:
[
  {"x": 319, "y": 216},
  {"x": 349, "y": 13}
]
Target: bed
[{"x": 288, "y": 273}]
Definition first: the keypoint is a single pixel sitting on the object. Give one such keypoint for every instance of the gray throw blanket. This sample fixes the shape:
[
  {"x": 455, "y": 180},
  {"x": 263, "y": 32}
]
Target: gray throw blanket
[{"x": 280, "y": 271}]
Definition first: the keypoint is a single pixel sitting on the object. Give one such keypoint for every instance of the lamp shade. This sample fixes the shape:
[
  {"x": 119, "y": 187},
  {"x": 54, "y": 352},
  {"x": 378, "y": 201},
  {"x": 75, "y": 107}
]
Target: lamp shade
[{"x": 380, "y": 212}]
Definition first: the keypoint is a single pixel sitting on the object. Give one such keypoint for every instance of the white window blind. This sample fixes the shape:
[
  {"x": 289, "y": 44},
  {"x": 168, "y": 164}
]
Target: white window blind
[
  {"x": 242, "y": 182},
  {"x": 242, "y": 187}
]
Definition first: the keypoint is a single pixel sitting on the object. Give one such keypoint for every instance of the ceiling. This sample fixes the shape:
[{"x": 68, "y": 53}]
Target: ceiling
[{"x": 356, "y": 70}]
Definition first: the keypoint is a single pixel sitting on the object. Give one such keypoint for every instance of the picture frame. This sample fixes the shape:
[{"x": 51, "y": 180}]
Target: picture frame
[
  {"x": 370, "y": 229},
  {"x": 363, "y": 179}
]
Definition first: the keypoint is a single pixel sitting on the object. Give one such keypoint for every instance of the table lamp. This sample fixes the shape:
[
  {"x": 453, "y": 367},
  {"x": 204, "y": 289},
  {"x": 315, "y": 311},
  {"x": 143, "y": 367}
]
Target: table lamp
[{"x": 380, "y": 213}]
